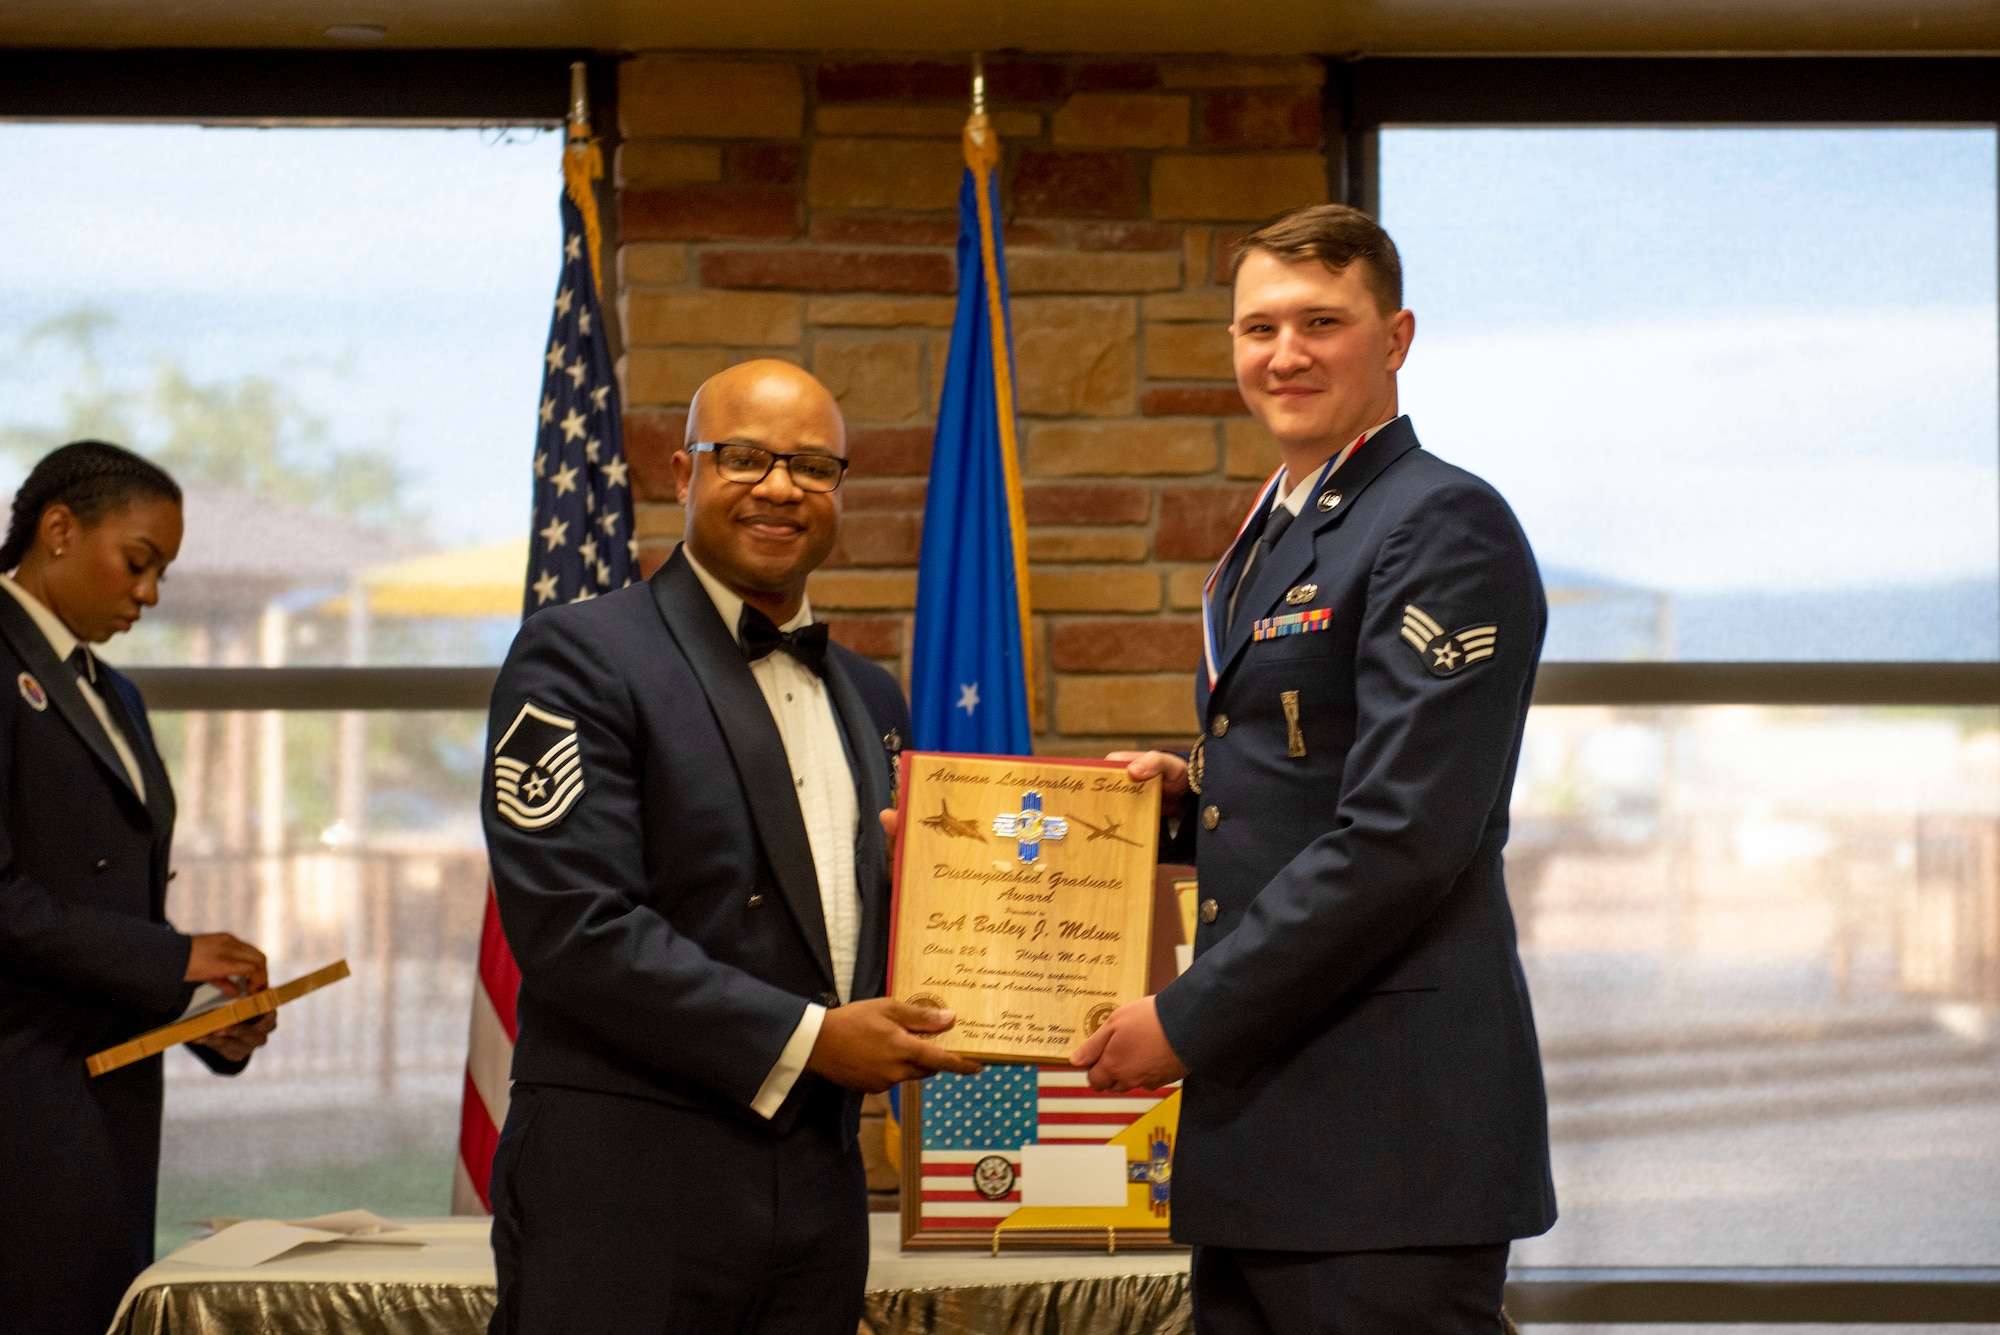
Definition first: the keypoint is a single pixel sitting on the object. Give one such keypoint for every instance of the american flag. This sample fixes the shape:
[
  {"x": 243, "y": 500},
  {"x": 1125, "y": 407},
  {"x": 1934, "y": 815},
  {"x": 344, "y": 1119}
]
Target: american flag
[
  {"x": 969, "y": 1121},
  {"x": 583, "y": 540},
  {"x": 583, "y": 544}
]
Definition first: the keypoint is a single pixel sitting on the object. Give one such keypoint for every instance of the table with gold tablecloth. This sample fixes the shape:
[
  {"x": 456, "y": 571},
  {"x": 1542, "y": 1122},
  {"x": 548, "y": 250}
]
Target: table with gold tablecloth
[{"x": 446, "y": 1288}]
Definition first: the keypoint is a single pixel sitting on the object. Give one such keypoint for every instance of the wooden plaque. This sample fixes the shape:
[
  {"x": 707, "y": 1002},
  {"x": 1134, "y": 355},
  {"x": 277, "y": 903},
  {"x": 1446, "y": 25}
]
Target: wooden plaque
[
  {"x": 1024, "y": 898},
  {"x": 155, "y": 1041}
]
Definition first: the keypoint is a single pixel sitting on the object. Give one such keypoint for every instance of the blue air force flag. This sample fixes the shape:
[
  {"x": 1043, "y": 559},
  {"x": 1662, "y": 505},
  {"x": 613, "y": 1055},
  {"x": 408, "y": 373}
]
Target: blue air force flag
[
  {"x": 583, "y": 543},
  {"x": 969, "y": 682}
]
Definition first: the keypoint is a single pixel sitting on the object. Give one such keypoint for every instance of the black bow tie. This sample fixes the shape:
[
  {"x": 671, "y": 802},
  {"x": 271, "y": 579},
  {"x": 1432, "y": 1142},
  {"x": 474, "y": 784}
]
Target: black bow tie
[{"x": 760, "y": 636}]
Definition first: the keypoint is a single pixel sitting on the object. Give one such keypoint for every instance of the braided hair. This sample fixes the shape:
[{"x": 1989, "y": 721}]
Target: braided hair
[{"x": 91, "y": 477}]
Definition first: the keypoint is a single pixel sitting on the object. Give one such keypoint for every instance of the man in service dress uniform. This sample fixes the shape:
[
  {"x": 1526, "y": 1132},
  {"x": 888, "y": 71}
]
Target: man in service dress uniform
[
  {"x": 1363, "y": 1128},
  {"x": 681, "y": 813}
]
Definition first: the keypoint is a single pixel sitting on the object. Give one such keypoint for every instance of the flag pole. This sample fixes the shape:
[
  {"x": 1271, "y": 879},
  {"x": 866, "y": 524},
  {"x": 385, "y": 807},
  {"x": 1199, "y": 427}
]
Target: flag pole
[{"x": 982, "y": 157}]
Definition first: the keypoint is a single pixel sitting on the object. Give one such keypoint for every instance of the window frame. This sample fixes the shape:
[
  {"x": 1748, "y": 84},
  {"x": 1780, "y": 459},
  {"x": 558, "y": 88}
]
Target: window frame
[{"x": 1362, "y": 95}]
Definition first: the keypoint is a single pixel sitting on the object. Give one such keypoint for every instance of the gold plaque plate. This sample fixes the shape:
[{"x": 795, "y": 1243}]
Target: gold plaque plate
[{"x": 1024, "y": 898}]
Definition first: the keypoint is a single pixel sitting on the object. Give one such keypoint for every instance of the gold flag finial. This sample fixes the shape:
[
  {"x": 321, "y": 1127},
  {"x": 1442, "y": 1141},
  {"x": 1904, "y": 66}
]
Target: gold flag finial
[{"x": 978, "y": 84}]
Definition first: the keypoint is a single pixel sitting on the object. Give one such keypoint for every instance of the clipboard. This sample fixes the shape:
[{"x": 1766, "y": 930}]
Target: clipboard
[{"x": 155, "y": 1041}]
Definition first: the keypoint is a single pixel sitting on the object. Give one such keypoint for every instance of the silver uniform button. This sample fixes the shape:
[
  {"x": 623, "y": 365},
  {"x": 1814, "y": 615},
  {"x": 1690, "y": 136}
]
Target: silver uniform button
[
  {"x": 1211, "y": 816},
  {"x": 1209, "y": 908},
  {"x": 1220, "y": 726}
]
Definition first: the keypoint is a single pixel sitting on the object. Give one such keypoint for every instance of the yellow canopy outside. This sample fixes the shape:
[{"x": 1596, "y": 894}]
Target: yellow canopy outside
[{"x": 483, "y": 581}]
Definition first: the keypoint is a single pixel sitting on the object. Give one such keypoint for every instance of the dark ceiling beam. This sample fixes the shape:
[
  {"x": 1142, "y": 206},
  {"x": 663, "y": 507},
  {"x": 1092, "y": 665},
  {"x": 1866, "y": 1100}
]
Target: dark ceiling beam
[
  {"x": 1670, "y": 90},
  {"x": 252, "y": 86}
]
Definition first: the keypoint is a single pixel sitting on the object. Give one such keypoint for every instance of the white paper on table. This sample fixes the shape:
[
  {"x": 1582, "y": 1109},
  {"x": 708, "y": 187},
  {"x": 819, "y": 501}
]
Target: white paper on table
[
  {"x": 351, "y": 1225},
  {"x": 250, "y": 1243},
  {"x": 1090, "y": 1175}
]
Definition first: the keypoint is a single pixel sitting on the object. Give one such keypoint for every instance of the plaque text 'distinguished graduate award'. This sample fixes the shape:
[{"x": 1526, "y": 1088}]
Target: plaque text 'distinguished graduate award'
[{"x": 1024, "y": 898}]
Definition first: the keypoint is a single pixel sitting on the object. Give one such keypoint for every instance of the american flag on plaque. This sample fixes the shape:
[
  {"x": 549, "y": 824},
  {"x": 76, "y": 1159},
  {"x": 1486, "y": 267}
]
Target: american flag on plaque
[{"x": 974, "y": 1128}]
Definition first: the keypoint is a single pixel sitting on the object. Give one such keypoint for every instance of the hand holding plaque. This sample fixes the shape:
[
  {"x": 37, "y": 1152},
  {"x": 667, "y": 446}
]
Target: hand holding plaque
[{"x": 1024, "y": 898}]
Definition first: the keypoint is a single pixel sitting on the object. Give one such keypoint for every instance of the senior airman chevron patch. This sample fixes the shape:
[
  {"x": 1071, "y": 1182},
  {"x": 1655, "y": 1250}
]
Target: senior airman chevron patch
[
  {"x": 537, "y": 769},
  {"x": 1443, "y": 654}
]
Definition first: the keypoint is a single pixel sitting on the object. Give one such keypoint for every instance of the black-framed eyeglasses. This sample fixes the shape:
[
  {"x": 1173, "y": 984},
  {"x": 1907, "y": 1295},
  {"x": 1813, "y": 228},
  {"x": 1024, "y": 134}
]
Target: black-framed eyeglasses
[{"x": 751, "y": 464}]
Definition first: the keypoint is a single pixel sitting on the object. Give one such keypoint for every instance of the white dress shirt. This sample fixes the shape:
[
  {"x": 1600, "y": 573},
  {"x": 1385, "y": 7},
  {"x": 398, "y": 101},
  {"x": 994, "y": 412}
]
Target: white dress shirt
[
  {"x": 824, "y": 782},
  {"x": 1294, "y": 497},
  {"x": 64, "y": 642}
]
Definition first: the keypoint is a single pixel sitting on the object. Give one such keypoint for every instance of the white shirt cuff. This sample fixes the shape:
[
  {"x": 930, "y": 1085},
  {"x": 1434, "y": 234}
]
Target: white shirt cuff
[{"x": 790, "y": 1065}]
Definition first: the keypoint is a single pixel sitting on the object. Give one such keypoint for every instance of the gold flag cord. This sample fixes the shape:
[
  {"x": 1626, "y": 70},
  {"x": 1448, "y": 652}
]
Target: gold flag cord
[
  {"x": 583, "y": 167},
  {"x": 982, "y": 156}
]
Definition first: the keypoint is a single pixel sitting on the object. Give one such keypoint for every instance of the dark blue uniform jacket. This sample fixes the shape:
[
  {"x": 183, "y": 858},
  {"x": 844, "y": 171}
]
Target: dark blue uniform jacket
[
  {"x": 1363, "y": 1056},
  {"x": 668, "y": 924},
  {"x": 87, "y": 960}
]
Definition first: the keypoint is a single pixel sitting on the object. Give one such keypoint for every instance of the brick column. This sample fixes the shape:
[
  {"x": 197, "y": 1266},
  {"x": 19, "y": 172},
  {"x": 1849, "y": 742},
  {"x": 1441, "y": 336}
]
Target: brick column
[{"x": 805, "y": 207}]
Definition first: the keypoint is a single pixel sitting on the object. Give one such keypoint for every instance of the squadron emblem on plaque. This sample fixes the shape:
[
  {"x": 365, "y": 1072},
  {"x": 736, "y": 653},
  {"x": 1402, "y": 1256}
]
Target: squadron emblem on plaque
[{"x": 1028, "y": 827}]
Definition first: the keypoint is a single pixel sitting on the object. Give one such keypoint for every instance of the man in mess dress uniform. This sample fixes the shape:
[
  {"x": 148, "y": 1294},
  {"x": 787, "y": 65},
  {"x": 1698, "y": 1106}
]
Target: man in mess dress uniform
[
  {"x": 681, "y": 813},
  {"x": 1363, "y": 1129}
]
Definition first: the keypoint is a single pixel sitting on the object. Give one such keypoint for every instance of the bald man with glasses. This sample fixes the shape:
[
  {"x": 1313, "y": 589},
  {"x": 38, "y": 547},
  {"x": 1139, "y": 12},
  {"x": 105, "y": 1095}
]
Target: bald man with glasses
[{"x": 681, "y": 812}]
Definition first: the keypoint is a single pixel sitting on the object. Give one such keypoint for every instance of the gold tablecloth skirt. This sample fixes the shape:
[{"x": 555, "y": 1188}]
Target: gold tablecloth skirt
[
  {"x": 1121, "y": 1305},
  {"x": 1124, "y": 1305}
]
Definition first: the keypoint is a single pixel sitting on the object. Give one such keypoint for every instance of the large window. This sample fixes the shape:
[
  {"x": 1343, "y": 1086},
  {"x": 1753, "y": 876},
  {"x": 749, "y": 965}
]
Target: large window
[
  {"x": 1741, "y": 386},
  {"x": 334, "y": 339}
]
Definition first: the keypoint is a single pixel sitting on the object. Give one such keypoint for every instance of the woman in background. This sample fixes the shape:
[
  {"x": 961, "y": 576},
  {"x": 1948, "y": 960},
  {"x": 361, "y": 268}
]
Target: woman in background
[{"x": 87, "y": 957}]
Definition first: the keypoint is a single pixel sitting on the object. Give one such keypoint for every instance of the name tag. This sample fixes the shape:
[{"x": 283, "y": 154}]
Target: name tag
[{"x": 1297, "y": 623}]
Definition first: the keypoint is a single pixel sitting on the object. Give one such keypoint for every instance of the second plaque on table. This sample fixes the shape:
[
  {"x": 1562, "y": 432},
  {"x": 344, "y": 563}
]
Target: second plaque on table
[{"x": 1024, "y": 898}]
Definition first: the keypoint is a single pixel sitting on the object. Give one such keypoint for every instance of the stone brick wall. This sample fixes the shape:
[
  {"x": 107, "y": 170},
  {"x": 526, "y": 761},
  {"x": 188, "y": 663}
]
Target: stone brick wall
[{"x": 806, "y": 208}]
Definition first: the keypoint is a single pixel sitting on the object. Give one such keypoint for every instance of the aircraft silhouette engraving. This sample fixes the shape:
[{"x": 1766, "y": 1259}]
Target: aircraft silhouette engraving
[
  {"x": 1108, "y": 830},
  {"x": 953, "y": 827}
]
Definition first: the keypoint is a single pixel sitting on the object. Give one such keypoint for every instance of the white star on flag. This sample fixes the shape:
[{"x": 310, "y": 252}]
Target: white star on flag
[
  {"x": 968, "y": 697},
  {"x": 614, "y": 473},
  {"x": 572, "y": 425},
  {"x": 545, "y": 588},
  {"x": 565, "y": 480},
  {"x": 556, "y": 534},
  {"x": 563, "y": 300}
]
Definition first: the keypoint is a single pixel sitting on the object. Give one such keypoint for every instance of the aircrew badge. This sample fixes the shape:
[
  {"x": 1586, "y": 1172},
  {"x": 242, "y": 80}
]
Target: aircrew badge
[
  {"x": 1442, "y": 654},
  {"x": 32, "y": 692},
  {"x": 1197, "y": 768},
  {"x": 537, "y": 769},
  {"x": 1300, "y": 595}
]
